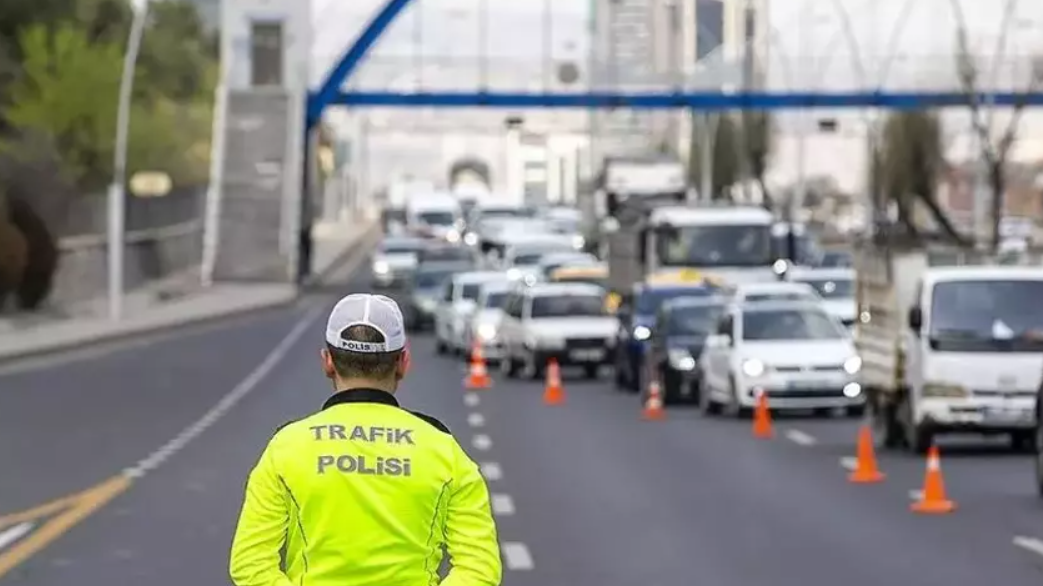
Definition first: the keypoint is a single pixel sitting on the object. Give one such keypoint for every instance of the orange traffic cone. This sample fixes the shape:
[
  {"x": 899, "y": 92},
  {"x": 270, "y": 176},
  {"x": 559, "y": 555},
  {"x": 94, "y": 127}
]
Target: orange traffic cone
[
  {"x": 478, "y": 374},
  {"x": 866, "y": 471},
  {"x": 762, "y": 417},
  {"x": 653, "y": 410},
  {"x": 553, "y": 393},
  {"x": 933, "y": 499}
]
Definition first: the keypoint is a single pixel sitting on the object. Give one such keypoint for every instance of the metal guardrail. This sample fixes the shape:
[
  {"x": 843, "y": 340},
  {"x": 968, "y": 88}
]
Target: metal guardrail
[{"x": 72, "y": 244}]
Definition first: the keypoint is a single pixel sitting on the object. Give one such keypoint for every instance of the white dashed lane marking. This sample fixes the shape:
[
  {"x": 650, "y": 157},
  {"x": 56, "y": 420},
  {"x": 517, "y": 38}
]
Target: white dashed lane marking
[
  {"x": 476, "y": 420},
  {"x": 503, "y": 504},
  {"x": 849, "y": 463},
  {"x": 800, "y": 438},
  {"x": 516, "y": 556},
  {"x": 13, "y": 534},
  {"x": 491, "y": 471},
  {"x": 1029, "y": 544},
  {"x": 482, "y": 442},
  {"x": 472, "y": 399}
]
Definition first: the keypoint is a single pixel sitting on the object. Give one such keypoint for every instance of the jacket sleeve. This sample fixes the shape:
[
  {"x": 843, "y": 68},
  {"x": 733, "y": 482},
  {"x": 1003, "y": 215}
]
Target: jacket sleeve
[
  {"x": 470, "y": 530},
  {"x": 259, "y": 537}
]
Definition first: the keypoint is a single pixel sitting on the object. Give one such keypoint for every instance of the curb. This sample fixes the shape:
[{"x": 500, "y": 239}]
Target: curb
[{"x": 349, "y": 260}]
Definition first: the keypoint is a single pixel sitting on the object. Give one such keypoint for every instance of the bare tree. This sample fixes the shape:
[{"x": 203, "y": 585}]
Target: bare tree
[
  {"x": 994, "y": 147},
  {"x": 725, "y": 163},
  {"x": 757, "y": 139},
  {"x": 906, "y": 167}
]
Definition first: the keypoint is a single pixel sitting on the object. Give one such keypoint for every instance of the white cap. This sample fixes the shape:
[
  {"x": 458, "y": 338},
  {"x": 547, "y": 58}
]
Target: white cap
[{"x": 376, "y": 311}]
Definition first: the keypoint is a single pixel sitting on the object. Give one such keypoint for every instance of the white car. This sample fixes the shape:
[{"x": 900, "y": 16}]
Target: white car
[
  {"x": 836, "y": 287},
  {"x": 523, "y": 255},
  {"x": 795, "y": 352},
  {"x": 566, "y": 322},
  {"x": 457, "y": 302},
  {"x": 484, "y": 325},
  {"x": 777, "y": 291},
  {"x": 395, "y": 260}
]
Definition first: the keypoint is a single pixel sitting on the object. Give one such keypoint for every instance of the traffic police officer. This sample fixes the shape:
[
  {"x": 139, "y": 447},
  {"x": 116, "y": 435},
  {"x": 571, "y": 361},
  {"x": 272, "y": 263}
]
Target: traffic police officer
[{"x": 364, "y": 491}]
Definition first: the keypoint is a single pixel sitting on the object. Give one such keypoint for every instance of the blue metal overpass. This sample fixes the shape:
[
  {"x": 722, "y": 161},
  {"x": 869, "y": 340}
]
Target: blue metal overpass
[{"x": 331, "y": 92}]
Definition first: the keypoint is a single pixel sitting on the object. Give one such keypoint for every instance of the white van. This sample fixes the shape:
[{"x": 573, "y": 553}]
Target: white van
[{"x": 434, "y": 215}]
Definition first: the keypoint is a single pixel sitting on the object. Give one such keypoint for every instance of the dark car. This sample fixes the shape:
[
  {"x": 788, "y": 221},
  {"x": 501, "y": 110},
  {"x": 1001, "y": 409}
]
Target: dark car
[
  {"x": 637, "y": 314},
  {"x": 445, "y": 253},
  {"x": 1038, "y": 444},
  {"x": 424, "y": 290},
  {"x": 681, "y": 328}
]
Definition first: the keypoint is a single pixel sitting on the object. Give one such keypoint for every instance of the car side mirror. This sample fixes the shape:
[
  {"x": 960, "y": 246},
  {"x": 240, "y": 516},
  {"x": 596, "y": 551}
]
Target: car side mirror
[{"x": 915, "y": 319}]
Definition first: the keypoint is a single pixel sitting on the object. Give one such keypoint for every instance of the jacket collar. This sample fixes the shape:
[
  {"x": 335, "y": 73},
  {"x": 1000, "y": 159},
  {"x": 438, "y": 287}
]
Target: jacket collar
[{"x": 362, "y": 395}]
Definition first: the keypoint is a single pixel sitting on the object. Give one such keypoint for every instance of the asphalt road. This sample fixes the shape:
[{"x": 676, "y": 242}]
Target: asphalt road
[{"x": 586, "y": 493}]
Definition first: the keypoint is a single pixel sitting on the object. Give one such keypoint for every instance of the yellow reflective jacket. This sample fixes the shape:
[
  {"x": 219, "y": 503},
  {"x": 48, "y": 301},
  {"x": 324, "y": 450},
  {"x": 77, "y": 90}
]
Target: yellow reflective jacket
[{"x": 365, "y": 493}]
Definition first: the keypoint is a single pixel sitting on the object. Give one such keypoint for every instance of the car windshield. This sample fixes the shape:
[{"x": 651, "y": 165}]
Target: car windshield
[
  {"x": 567, "y": 306},
  {"x": 807, "y": 251},
  {"x": 715, "y": 246},
  {"x": 529, "y": 258},
  {"x": 789, "y": 324},
  {"x": 495, "y": 300},
  {"x": 471, "y": 291},
  {"x": 836, "y": 259},
  {"x": 649, "y": 301},
  {"x": 692, "y": 320},
  {"x": 431, "y": 279},
  {"x": 437, "y": 218},
  {"x": 833, "y": 288},
  {"x": 401, "y": 247},
  {"x": 987, "y": 316},
  {"x": 778, "y": 296},
  {"x": 446, "y": 253}
]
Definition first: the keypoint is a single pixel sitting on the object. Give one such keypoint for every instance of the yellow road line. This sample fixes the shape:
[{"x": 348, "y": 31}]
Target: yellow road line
[{"x": 79, "y": 507}]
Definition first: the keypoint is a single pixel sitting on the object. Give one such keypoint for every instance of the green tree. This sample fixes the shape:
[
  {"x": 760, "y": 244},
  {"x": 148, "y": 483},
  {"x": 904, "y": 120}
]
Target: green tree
[
  {"x": 723, "y": 137},
  {"x": 67, "y": 91},
  {"x": 177, "y": 53},
  {"x": 907, "y": 165}
]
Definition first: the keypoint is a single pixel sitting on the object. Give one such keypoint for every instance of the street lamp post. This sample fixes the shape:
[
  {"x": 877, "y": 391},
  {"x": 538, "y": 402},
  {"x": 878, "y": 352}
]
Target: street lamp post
[{"x": 117, "y": 195}]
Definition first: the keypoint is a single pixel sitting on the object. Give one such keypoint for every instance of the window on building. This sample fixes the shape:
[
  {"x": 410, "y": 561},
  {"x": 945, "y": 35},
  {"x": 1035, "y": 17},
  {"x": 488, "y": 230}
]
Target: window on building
[
  {"x": 751, "y": 25},
  {"x": 266, "y": 54},
  {"x": 709, "y": 34}
]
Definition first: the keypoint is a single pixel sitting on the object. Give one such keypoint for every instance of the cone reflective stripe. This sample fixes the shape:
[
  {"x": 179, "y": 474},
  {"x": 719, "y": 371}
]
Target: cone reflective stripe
[
  {"x": 553, "y": 392},
  {"x": 933, "y": 499},
  {"x": 478, "y": 374},
  {"x": 653, "y": 410},
  {"x": 866, "y": 470},
  {"x": 762, "y": 428}
]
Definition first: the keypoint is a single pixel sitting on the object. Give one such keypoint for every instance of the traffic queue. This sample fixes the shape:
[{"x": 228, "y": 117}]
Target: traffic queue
[{"x": 521, "y": 286}]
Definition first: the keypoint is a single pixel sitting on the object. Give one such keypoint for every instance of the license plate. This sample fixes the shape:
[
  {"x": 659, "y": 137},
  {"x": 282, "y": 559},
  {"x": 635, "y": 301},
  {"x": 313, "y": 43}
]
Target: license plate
[
  {"x": 1005, "y": 414},
  {"x": 807, "y": 384},
  {"x": 587, "y": 355}
]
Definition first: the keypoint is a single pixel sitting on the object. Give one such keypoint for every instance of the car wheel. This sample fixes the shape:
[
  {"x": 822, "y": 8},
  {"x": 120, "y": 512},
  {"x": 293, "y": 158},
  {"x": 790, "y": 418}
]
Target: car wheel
[
  {"x": 1022, "y": 441},
  {"x": 440, "y": 347},
  {"x": 736, "y": 409},
  {"x": 531, "y": 369},
  {"x": 591, "y": 371},
  {"x": 918, "y": 438}
]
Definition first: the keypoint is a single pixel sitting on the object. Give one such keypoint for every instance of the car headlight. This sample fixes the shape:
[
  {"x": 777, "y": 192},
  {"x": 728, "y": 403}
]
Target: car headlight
[
  {"x": 452, "y": 236},
  {"x": 945, "y": 390},
  {"x": 753, "y": 368},
  {"x": 486, "y": 332},
  {"x": 853, "y": 365},
  {"x": 578, "y": 242},
  {"x": 471, "y": 239},
  {"x": 381, "y": 267},
  {"x": 681, "y": 359},
  {"x": 642, "y": 333}
]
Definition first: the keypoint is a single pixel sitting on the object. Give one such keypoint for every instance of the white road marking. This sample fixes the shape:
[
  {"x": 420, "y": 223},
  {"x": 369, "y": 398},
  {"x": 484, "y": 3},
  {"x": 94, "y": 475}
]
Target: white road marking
[
  {"x": 516, "y": 556},
  {"x": 491, "y": 471},
  {"x": 1029, "y": 543},
  {"x": 482, "y": 442},
  {"x": 800, "y": 438},
  {"x": 241, "y": 390},
  {"x": 13, "y": 534},
  {"x": 503, "y": 504},
  {"x": 476, "y": 420},
  {"x": 472, "y": 399},
  {"x": 849, "y": 462},
  {"x": 915, "y": 494}
]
